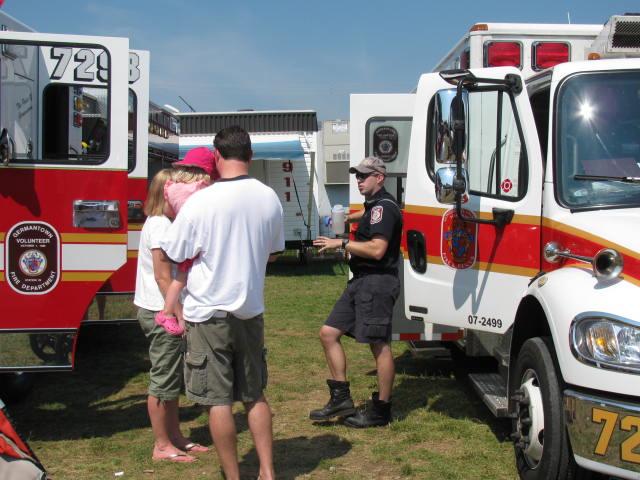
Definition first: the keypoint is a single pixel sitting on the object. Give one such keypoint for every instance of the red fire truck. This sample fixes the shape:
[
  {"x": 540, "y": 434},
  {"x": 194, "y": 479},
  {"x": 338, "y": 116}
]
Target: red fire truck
[{"x": 63, "y": 183}]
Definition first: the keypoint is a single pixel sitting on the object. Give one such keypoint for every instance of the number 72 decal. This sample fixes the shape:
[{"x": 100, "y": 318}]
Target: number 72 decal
[{"x": 629, "y": 447}]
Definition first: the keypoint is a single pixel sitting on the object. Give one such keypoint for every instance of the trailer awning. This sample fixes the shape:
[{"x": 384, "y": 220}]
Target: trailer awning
[{"x": 265, "y": 147}]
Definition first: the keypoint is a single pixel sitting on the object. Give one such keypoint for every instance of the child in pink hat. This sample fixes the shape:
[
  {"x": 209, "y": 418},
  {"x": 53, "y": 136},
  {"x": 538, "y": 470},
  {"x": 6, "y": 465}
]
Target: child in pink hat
[{"x": 195, "y": 172}]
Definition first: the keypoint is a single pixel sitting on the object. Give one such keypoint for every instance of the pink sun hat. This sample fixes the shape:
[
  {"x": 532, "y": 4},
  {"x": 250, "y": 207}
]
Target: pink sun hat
[{"x": 200, "y": 157}]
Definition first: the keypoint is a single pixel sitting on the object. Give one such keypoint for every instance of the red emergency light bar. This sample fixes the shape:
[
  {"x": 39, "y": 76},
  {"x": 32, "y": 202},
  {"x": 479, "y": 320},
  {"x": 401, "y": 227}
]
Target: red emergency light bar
[
  {"x": 502, "y": 54},
  {"x": 548, "y": 54}
]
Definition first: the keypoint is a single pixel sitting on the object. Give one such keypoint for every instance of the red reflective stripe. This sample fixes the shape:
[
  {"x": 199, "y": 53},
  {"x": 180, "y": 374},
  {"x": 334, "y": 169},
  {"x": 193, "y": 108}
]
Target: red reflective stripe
[
  {"x": 409, "y": 336},
  {"x": 448, "y": 337}
]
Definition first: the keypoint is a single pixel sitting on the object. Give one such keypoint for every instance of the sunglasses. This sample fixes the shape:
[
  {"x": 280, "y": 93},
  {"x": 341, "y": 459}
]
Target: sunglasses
[{"x": 363, "y": 176}]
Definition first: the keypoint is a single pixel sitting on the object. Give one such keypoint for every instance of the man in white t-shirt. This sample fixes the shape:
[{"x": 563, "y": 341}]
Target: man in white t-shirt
[{"x": 231, "y": 229}]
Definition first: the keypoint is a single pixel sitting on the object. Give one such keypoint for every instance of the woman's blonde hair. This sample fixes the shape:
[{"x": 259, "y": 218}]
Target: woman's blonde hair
[
  {"x": 154, "y": 204},
  {"x": 182, "y": 174}
]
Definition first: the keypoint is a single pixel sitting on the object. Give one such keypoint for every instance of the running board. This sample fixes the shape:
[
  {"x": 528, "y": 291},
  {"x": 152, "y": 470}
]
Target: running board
[{"x": 492, "y": 390}]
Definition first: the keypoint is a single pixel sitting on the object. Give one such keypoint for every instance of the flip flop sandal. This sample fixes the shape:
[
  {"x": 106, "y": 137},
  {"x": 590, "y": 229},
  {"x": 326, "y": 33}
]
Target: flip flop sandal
[
  {"x": 177, "y": 458},
  {"x": 169, "y": 323},
  {"x": 193, "y": 447}
]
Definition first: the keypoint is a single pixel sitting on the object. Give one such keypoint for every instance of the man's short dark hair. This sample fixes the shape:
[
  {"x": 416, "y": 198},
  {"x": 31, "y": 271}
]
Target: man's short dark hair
[{"x": 233, "y": 142}]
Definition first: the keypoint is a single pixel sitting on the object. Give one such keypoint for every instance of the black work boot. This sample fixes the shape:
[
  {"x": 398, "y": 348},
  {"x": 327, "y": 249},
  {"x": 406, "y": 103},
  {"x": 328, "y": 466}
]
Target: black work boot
[
  {"x": 374, "y": 414},
  {"x": 339, "y": 405}
]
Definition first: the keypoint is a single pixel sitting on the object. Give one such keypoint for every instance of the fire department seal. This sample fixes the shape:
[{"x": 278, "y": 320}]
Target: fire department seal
[
  {"x": 459, "y": 240},
  {"x": 32, "y": 263},
  {"x": 385, "y": 143},
  {"x": 376, "y": 214},
  {"x": 32, "y": 258}
]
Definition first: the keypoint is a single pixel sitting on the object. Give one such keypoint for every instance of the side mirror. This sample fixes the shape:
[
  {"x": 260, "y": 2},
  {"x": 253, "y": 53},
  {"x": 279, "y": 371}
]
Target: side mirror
[{"x": 447, "y": 186}]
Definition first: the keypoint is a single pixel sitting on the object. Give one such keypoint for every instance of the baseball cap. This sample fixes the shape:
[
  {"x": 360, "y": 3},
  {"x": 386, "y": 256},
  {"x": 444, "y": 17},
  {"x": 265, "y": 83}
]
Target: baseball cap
[
  {"x": 370, "y": 165},
  {"x": 200, "y": 157}
]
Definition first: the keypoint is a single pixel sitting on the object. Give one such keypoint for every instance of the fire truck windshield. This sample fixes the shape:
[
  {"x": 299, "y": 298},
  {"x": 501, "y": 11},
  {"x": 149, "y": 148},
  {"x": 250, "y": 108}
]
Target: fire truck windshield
[{"x": 597, "y": 154}]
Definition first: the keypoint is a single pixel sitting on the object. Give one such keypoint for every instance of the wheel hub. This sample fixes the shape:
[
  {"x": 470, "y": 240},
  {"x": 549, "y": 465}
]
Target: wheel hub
[{"x": 529, "y": 434}]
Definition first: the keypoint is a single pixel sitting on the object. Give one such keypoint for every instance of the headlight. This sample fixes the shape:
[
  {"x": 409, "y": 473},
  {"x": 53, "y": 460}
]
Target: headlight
[{"x": 607, "y": 343}]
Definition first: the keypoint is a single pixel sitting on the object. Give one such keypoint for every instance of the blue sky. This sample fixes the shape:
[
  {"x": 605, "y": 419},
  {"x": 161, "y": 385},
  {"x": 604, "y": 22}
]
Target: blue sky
[{"x": 285, "y": 54}]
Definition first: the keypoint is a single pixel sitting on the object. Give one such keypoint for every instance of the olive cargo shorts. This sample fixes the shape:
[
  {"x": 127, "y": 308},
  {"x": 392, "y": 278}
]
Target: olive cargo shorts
[
  {"x": 225, "y": 361},
  {"x": 165, "y": 354}
]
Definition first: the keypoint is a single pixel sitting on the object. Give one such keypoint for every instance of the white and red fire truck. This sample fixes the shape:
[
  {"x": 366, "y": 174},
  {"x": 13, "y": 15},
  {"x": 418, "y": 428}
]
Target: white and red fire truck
[
  {"x": 64, "y": 190},
  {"x": 519, "y": 172}
]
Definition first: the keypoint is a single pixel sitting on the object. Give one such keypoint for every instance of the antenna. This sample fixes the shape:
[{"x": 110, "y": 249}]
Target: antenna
[
  {"x": 569, "y": 17},
  {"x": 187, "y": 103}
]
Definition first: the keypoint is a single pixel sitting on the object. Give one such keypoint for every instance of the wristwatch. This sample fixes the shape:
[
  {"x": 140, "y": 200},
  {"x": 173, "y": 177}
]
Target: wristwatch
[{"x": 345, "y": 241}]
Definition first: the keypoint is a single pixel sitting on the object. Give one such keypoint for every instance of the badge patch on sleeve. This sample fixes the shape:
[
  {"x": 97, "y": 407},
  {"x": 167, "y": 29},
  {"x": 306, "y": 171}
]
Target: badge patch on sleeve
[{"x": 376, "y": 214}]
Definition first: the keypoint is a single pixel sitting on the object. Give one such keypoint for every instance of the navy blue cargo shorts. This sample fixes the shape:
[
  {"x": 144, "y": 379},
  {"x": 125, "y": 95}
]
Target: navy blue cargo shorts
[{"x": 365, "y": 308}]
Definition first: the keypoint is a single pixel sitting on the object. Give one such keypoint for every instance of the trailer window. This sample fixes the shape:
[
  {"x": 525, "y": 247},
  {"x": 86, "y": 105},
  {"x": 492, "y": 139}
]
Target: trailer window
[{"x": 495, "y": 157}]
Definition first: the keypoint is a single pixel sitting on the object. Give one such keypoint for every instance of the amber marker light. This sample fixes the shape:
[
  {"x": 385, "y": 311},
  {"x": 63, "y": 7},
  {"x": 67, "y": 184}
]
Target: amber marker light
[{"x": 479, "y": 27}]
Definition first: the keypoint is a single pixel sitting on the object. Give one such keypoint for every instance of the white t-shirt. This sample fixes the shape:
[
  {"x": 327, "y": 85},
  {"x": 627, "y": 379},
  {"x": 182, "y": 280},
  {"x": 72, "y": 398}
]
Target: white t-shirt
[
  {"x": 232, "y": 227},
  {"x": 148, "y": 293}
]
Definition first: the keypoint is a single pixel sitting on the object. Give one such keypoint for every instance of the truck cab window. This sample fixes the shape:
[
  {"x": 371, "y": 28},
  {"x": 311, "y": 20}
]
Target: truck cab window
[
  {"x": 598, "y": 140},
  {"x": 495, "y": 159},
  {"x": 75, "y": 123}
]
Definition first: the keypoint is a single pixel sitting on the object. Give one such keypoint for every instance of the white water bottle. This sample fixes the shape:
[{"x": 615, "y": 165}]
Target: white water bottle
[{"x": 337, "y": 219}]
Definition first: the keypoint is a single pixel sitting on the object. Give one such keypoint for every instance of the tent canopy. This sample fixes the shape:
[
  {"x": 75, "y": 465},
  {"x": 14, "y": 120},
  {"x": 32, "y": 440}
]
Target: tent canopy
[{"x": 264, "y": 147}]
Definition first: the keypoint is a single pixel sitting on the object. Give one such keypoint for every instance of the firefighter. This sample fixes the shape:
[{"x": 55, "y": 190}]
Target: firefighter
[{"x": 365, "y": 308}]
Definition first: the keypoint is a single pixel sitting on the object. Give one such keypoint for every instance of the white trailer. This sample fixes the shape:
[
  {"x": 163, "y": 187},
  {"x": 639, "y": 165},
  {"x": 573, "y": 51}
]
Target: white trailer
[{"x": 284, "y": 147}]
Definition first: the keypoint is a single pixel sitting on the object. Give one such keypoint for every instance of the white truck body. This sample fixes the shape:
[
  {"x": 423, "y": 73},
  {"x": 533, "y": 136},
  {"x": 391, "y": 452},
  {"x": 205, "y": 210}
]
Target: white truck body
[{"x": 500, "y": 227}]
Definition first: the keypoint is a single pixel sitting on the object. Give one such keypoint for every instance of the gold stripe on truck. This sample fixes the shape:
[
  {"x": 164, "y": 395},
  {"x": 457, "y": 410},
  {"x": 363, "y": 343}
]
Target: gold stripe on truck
[
  {"x": 85, "y": 276},
  {"x": 94, "y": 237}
]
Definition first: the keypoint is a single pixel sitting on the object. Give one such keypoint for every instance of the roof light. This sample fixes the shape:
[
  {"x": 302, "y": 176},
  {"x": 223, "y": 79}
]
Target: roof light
[
  {"x": 502, "y": 54},
  {"x": 549, "y": 54},
  {"x": 479, "y": 27},
  {"x": 593, "y": 56}
]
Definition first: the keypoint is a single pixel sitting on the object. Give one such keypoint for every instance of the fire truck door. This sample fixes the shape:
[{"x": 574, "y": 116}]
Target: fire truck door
[
  {"x": 460, "y": 273},
  {"x": 63, "y": 172}
]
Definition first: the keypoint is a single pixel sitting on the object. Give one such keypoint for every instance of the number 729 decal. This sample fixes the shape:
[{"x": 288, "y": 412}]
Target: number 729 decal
[{"x": 89, "y": 64}]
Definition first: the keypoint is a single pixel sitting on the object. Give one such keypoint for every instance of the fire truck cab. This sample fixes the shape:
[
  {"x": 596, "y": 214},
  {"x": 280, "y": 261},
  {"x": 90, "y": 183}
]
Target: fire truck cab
[
  {"x": 521, "y": 203},
  {"x": 63, "y": 186}
]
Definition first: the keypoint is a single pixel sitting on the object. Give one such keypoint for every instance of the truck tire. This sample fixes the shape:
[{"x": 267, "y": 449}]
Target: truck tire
[{"x": 541, "y": 443}]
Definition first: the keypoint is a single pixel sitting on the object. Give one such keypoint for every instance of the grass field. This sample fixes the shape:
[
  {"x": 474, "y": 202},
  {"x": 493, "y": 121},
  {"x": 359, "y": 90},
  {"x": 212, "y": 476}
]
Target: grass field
[{"x": 93, "y": 423}]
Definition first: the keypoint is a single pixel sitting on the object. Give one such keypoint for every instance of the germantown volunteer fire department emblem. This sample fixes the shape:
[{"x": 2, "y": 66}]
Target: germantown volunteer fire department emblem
[
  {"x": 33, "y": 258},
  {"x": 459, "y": 240},
  {"x": 376, "y": 214}
]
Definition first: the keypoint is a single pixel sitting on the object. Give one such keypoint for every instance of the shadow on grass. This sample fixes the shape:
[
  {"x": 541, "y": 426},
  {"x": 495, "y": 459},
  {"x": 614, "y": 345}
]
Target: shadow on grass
[
  {"x": 441, "y": 385},
  {"x": 69, "y": 406},
  {"x": 290, "y": 267},
  {"x": 297, "y": 456}
]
